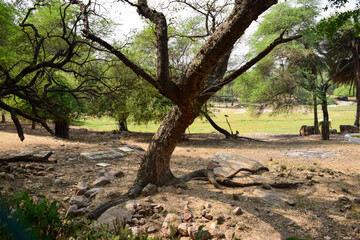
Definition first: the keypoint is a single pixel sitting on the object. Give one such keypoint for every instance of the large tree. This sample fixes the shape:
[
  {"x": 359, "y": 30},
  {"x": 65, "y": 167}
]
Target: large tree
[{"x": 202, "y": 77}]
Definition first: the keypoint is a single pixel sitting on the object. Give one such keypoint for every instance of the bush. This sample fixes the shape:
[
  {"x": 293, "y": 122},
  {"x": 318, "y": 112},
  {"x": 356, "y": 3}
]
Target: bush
[{"x": 343, "y": 91}]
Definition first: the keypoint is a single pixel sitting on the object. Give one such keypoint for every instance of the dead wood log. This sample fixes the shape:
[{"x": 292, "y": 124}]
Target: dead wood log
[
  {"x": 28, "y": 158},
  {"x": 229, "y": 183}
]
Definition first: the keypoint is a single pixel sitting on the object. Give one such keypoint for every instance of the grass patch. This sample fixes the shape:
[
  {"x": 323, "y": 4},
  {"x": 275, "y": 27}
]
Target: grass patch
[{"x": 242, "y": 122}]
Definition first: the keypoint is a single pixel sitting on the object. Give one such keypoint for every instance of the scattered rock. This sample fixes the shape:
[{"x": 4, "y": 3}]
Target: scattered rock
[
  {"x": 291, "y": 202},
  {"x": 151, "y": 229},
  {"x": 215, "y": 230},
  {"x": 80, "y": 201},
  {"x": 115, "y": 173},
  {"x": 149, "y": 189},
  {"x": 81, "y": 188},
  {"x": 178, "y": 191},
  {"x": 183, "y": 229},
  {"x": 126, "y": 149},
  {"x": 109, "y": 217},
  {"x": 266, "y": 186},
  {"x": 103, "y": 164},
  {"x": 219, "y": 219},
  {"x": 58, "y": 181},
  {"x": 91, "y": 193},
  {"x": 10, "y": 177},
  {"x": 101, "y": 181},
  {"x": 111, "y": 154},
  {"x": 170, "y": 225},
  {"x": 309, "y": 176},
  {"x": 112, "y": 194},
  {"x": 237, "y": 211},
  {"x": 187, "y": 216},
  {"x": 131, "y": 206},
  {"x": 71, "y": 210}
]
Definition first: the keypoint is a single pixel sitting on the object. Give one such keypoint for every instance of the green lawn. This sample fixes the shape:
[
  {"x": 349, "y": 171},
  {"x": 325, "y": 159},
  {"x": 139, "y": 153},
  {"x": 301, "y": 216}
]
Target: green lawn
[{"x": 243, "y": 122}]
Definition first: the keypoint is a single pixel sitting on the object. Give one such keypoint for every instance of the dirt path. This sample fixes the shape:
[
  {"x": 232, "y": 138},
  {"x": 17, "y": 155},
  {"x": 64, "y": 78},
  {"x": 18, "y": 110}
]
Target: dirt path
[{"x": 326, "y": 208}]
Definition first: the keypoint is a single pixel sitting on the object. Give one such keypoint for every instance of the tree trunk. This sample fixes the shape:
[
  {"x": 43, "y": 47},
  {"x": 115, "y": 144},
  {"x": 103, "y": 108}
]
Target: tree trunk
[
  {"x": 217, "y": 127},
  {"x": 316, "y": 119},
  {"x": 325, "y": 125},
  {"x": 357, "y": 78},
  {"x": 357, "y": 107},
  {"x": 33, "y": 125},
  {"x": 3, "y": 120},
  {"x": 155, "y": 165},
  {"x": 62, "y": 128},
  {"x": 123, "y": 125}
]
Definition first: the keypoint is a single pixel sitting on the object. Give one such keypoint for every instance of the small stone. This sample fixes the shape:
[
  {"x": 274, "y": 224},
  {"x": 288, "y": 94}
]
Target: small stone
[
  {"x": 2, "y": 174},
  {"x": 291, "y": 223},
  {"x": 327, "y": 238},
  {"x": 344, "y": 199},
  {"x": 67, "y": 198},
  {"x": 309, "y": 176},
  {"x": 266, "y": 186},
  {"x": 215, "y": 231},
  {"x": 151, "y": 229},
  {"x": 131, "y": 206},
  {"x": 58, "y": 181},
  {"x": 315, "y": 180},
  {"x": 321, "y": 174},
  {"x": 183, "y": 229},
  {"x": 148, "y": 199},
  {"x": 235, "y": 197},
  {"x": 192, "y": 232},
  {"x": 41, "y": 174},
  {"x": 178, "y": 191},
  {"x": 101, "y": 181},
  {"x": 170, "y": 225},
  {"x": 112, "y": 194},
  {"x": 71, "y": 210},
  {"x": 91, "y": 193},
  {"x": 79, "y": 201},
  {"x": 116, "y": 173},
  {"x": 80, "y": 212},
  {"x": 10, "y": 177},
  {"x": 219, "y": 219},
  {"x": 207, "y": 205},
  {"x": 149, "y": 189},
  {"x": 126, "y": 149},
  {"x": 81, "y": 188},
  {"x": 291, "y": 203},
  {"x": 187, "y": 216},
  {"x": 237, "y": 211},
  {"x": 312, "y": 169}
]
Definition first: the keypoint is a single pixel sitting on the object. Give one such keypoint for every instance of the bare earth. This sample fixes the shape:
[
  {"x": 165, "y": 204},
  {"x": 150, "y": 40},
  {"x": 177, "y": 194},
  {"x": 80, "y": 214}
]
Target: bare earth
[{"x": 317, "y": 212}]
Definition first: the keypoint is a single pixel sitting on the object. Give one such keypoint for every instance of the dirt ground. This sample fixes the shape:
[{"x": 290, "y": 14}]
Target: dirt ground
[{"x": 325, "y": 208}]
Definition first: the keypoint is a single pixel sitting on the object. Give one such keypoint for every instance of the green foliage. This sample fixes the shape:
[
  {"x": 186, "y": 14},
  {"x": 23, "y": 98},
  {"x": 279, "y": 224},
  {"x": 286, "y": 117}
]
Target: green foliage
[
  {"x": 343, "y": 91},
  {"x": 23, "y": 218}
]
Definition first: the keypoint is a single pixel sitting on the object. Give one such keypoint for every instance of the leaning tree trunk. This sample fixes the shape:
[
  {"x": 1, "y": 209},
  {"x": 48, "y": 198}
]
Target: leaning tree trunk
[
  {"x": 316, "y": 119},
  {"x": 325, "y": 125},
  {"x": 62, "y": 128},
  {"x": 155, "y": 165},
  {"x": 217, "y": 127}
]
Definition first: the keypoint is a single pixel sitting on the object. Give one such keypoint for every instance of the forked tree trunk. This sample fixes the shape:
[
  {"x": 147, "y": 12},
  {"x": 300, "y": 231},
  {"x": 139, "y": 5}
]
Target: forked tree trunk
[
  {"x": 155, "y": 165},
  {"x": 62, "y": 128}
]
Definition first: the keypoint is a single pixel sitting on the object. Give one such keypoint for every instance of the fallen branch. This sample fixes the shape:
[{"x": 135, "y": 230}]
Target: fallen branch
[
  {"x": 229, "y": 183},
  {"x": 28, "y": 158}
]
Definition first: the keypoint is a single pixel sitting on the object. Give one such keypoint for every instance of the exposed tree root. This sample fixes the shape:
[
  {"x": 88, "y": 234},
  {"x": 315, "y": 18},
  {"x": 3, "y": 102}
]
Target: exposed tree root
[
  {"x": 28, "y": 158},
  {"x": 202, "y": 174},
  {"x": 232, "y": 175}
]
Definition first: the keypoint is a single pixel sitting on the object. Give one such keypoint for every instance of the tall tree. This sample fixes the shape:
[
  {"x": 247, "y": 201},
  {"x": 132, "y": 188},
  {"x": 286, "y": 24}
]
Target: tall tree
[{"x": 195, "y": 86}]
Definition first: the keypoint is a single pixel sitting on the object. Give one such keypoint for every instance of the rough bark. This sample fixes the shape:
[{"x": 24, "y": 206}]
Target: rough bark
[
  {"x": 3, "y": 119},
  {"x": 33, "y": 125},
  {"x": 155, "y": 165},
  {"x": 62, "y": 128},
  {"x": 355, "y": 50}
]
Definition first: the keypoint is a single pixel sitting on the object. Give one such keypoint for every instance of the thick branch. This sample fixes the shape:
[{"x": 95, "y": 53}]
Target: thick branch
[{"x": 206, "y": 94}]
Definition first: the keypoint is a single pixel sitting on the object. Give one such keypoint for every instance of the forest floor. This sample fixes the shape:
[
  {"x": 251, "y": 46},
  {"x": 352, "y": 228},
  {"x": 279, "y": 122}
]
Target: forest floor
[{"x": 326, "y": 208}]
